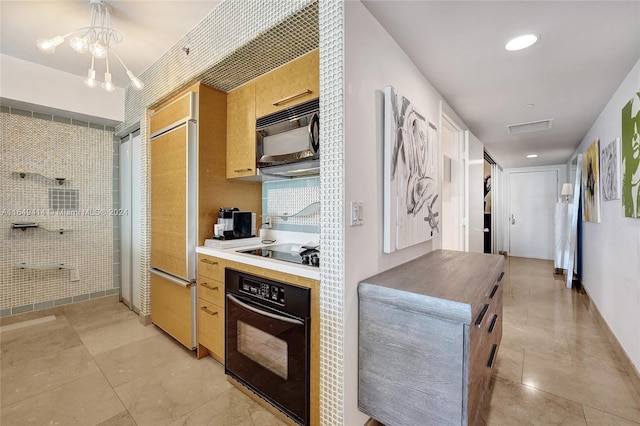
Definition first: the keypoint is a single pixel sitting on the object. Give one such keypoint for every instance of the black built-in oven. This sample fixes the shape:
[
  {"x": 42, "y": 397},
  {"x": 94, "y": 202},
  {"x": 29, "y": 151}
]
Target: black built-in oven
[{"x": 267, "y": 331}]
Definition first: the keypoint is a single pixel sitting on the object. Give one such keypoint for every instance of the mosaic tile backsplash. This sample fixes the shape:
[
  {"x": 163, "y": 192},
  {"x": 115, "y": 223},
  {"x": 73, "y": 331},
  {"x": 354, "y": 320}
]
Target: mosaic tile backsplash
[
  {"x": 34, "y": 155},
  {"x": 283, "y": 198}
]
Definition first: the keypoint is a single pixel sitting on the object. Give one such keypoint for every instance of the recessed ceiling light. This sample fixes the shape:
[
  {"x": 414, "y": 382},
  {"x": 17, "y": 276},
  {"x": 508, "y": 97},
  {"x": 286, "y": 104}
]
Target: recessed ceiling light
[
  {"x": 521, "y": 42},
  {"x": 532, "y": 156}
]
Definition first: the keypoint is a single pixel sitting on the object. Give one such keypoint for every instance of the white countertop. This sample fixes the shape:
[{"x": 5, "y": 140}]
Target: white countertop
[{"x": 312, "y": 272}]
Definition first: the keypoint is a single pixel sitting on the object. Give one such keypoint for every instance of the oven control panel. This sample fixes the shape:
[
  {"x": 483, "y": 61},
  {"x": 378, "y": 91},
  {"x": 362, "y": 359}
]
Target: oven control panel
[{"x": 266, "y": 291}]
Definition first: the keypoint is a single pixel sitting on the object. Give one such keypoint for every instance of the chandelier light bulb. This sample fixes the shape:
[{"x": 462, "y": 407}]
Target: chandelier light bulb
[
  {"x": 108, "y": 85},
  {"x": 135, "y": 81},
  {"x": 97, "y": 50},
  {"x": 90, "y": 81},
  {"x": 98, "y": 39},
  {"x": 48, "y": 45},
  {"x": 79, "y": 44}
]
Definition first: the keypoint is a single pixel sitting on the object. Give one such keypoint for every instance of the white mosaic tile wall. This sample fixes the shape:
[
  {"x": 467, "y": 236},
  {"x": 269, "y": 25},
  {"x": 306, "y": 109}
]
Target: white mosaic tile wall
[
  {"x": 44, "y": 149},
  {"x": 333, "y": 212}
]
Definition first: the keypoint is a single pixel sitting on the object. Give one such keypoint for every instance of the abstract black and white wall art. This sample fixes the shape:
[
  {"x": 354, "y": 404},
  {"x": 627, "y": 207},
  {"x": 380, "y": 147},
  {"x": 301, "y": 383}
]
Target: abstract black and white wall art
[
  {"x": 411, "y": 208},
  {"x": 610, "y": 171}
]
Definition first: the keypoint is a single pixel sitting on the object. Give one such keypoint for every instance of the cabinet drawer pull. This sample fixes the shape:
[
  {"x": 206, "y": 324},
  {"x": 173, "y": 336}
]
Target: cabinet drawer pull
[
  {"x": 292, "y": 97},
  {"x": 501, "y": 276},
  {"x": 493, "y": 292},
  {"x": 482, "y": 314},
  {"x": 492, "y": 355},
  {"x": 208, "y": 261},
  {"x": 205, "y": 309},
  {"x": 248, "y": 169},
  {"x": 210, "y": 287},
  {"x": 493, "y": 323}
]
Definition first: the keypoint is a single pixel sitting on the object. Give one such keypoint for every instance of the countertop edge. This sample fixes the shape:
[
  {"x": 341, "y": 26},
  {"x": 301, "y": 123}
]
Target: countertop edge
[{"x": 275, "y": 265}]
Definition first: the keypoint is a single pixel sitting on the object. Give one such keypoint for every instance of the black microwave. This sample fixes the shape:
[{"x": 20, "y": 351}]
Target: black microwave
[{"x": 288, "y": 141}]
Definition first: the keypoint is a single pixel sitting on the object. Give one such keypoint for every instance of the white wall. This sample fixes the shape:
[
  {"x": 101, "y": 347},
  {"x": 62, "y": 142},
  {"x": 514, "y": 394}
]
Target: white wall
[
  {"x": 35, "y": 84},
  {"x": 611, "y": 248},
  {"x": 373, "y": 60}
]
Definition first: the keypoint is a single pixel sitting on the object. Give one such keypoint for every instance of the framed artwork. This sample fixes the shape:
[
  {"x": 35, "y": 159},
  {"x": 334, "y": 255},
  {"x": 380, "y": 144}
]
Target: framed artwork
[
  {"x": 591, "y": 184},
  {"x": 631, "y": 157},
  {"x": 610, "y": 171},
  {"x": 411, "y": 187}
]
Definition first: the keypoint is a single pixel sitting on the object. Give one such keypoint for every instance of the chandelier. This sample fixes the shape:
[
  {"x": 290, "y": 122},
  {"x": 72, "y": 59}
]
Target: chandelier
[{"x": 96, "y": 39}]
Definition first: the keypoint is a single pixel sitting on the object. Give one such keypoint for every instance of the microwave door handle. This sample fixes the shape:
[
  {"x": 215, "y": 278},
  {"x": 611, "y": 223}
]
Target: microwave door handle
[
  {"x": 264, "y": 313},
  {"x": 314, "y": 129}
]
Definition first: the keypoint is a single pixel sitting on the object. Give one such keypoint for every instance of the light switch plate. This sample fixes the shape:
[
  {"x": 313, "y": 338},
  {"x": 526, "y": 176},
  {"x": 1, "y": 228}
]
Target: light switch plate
[
  {"x": 74, "y": 274},
  {"x": 356, "y": 213}
]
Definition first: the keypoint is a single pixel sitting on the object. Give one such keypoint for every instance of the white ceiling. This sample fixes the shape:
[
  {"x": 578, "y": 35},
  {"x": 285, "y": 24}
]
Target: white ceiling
[
  {"x": 149, "y": 29},
  {"x": 586, "y": 50}
]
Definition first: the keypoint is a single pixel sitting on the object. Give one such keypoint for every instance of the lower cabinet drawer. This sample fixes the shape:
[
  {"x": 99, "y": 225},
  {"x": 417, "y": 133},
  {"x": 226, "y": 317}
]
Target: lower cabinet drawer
[
  {"x": 211, "y": 267},
  {"x": 211, "y": 327},
  {"x": 211, "y": 290}
]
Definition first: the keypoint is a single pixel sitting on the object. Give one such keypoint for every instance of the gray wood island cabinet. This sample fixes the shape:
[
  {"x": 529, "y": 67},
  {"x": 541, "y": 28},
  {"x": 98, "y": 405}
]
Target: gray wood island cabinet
[{"x": 429, "y": 332}]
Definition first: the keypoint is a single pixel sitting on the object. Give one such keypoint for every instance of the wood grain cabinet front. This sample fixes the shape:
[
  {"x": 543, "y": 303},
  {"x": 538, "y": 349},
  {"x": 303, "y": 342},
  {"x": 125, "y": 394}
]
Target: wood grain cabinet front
[
  {"x": 293, "y": 83},
  {"x": 210, "y": 329},
  {"x": 241, "y": 131},
  {"x": 429, "y": 332},
  {"x": 210, "y": 307}
]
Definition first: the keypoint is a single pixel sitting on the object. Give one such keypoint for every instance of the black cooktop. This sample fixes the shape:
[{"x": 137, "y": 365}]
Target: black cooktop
[{"x": 283, "y": 252}]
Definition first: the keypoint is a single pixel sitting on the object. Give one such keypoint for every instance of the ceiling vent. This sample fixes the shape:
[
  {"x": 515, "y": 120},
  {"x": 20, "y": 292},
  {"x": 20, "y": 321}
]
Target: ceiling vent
[{"x": 534, "y": 126}]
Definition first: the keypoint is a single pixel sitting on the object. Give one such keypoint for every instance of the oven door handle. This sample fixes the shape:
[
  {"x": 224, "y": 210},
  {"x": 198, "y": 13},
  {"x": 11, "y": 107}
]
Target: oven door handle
[{"x": 264, "y": 313}]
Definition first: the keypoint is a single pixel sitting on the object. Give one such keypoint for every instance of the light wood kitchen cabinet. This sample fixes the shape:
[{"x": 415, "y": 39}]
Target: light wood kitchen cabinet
[
  {"x": 241, "y": 131},
  {"x": 172, "y": 308},
  {"x": 429, "y": 332},
  {"x": 293, "y": 83},
  {"x": 211, "y": 307},
  {"x": 188, "y": 186}
]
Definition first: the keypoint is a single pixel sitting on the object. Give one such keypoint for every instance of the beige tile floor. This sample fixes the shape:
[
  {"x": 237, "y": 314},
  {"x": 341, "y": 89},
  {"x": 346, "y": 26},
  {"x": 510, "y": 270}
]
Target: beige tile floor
[
  {"x": 95, "y": 364},
  {"x": 555, "y": 365}
]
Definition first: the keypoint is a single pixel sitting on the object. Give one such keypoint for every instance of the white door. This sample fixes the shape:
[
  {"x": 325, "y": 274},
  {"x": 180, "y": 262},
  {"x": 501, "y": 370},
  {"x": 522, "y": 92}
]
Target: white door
[
  {"x": 532, "y": 199},
  {"x": 130, "y": 253},
  {"x": 475, "y": 193},
  {"x": 452, "y": 188}
]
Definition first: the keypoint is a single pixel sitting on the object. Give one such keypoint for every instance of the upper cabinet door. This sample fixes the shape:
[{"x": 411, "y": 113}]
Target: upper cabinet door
[
  {"x": 241, "y": 131},
  {"x": 182, "y": 109},
  {"x": 291, "y": 84}
]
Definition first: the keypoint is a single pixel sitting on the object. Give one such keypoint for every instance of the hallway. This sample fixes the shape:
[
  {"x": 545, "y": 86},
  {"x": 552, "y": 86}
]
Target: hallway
[
  {"x": 555, "y": 365},
  {"x": 96, "y": 364}
]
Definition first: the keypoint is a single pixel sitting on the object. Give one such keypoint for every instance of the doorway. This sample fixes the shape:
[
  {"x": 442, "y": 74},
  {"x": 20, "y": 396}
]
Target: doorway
[
  {"x": 130, "y": 221},
  {"x": 488, "y": 197},
  {"x": 532, "y": 198},
  {"x": 452, "y": 186}
]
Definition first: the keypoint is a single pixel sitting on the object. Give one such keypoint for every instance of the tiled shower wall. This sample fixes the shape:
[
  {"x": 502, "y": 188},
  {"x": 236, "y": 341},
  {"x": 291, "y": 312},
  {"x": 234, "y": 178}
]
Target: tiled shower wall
[{"x": 42, "y": 148}]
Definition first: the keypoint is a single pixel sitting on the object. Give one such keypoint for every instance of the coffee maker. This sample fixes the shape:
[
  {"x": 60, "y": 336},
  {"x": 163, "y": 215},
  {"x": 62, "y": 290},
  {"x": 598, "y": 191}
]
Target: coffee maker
[{"x": 225, "y": 217}]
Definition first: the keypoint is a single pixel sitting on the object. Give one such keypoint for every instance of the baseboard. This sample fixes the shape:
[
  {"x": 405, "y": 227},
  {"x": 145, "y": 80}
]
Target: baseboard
[
  {"x": 58, "y": 310},
  {"x": 145, "y": 319},
  {"x": 615, "y": 344}
]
